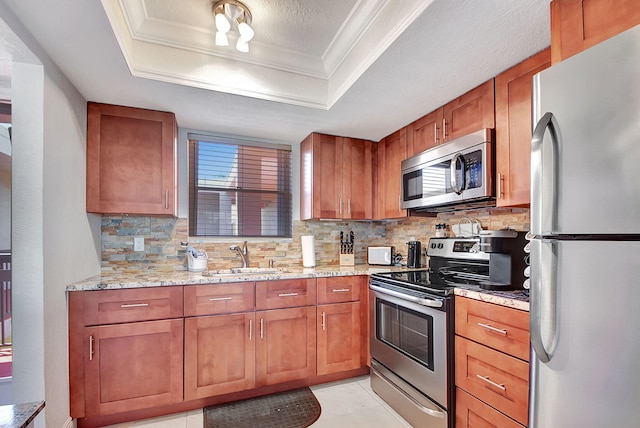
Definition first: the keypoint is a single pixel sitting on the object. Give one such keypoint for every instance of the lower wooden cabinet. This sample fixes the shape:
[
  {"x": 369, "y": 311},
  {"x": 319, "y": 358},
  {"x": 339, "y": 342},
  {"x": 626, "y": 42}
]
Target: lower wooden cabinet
[
  {"x": 219, "y": 355},
  {"x": 132, "y": 366},
  {"x": 473, "y": 413},
  {"x": 339, "y": 339},
  {"x": 286, "y": 345}
]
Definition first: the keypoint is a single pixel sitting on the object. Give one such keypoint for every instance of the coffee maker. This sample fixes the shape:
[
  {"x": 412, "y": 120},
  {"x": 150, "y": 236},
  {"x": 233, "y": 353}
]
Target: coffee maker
[
  {"x": 507, "y": 259},
  {"x": 414, "y": 256}
]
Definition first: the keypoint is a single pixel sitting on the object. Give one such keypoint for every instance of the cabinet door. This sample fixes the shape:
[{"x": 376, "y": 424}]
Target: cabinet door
[
  {"x": 339, "y": 339},
  {"x": 579, "y": 24},
  {"x": 321, "y": 176},
  {"x": 469, "y": 112},
  {"x": 357, "y": 183},
  {"x": 219, "y": 355},
  {"x": 391, "y": 152},
  {"x": 425, "y": 133},
  {"x": 133, "y": 366},
  {"x": 514, "y": 129},
  {"x": 286, "y": 345},
  {"x": 131, "y": 165},
  {"x": 473, "y": 413}
]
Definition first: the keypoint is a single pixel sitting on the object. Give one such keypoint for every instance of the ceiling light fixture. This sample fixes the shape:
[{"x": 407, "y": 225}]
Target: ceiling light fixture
[{"x": 227, "y": 12}]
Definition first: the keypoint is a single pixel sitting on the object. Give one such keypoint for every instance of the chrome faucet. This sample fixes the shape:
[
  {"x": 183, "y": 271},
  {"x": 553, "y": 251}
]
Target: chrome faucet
[{"x": 242, "y": 252}]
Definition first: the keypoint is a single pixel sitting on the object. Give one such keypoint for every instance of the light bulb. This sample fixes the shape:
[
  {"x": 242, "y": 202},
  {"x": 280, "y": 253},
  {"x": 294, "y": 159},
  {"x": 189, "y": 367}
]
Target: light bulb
[
  {"x": 246, "y": 32},
  {"x": 222, "y": 23},
  {"x": 242, "y": 45},
  {"x": 221, "y": 39}
]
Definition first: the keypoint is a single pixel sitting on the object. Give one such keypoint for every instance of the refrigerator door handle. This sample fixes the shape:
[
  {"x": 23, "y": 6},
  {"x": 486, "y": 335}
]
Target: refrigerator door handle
[
  {"x": 543, "y": 192},
  {"x": 543, "y": 272}
]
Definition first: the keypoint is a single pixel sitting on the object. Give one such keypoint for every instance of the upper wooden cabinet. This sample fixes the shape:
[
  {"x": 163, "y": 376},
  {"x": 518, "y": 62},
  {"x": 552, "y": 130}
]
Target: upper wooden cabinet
[
  {"x": 514, "y": 128},
  {"x": 579, "y": 24},
  {"x": 468, "y": 113},
  {"x": 131, "y": 165},
  {"x": 336, "y": 178},
  {"x": 392, "y": 150}
]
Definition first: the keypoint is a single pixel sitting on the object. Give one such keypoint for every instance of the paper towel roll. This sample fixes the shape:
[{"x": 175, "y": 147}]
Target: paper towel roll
[{"x": 308, "y": 251}]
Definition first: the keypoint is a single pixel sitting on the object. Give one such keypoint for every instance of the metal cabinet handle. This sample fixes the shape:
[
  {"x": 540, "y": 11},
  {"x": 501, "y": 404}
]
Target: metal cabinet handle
[
  {"x": 500, "y": 180},
  {"x": 444, "y": 129},
  {"x": 261, "y": 328},
  {"x": 340, "y": 290},
  {"x": 497, "y": 330},
  {"x": 323, "y": 321},
  {"x": 340, "y": 206},
  {"x": 492, "y": 383},
  {"x": 250, "y": 329},
  {"x": 399, "y": 202},
  {"x": 166, "y": 199},
  {"x": 217, "y": 299},
  {"x": 435, "y": 132},
  {"x": 90, "y": 348},
  {"x": 287, "y": 294},
  {"x": 349, "y": 206},
  {"x": 134, "y": 305}
]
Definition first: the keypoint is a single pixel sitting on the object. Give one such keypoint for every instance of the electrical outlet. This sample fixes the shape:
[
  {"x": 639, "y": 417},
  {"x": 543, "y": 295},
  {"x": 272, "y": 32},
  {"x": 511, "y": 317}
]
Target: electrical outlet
[{"x": 138, "y": 243}]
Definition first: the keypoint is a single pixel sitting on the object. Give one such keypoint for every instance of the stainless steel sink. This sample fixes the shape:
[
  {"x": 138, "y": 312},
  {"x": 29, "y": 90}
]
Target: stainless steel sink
[{"x": 244, "y": 271}]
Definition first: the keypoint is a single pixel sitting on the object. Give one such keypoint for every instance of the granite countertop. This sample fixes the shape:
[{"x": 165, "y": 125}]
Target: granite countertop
[
  {"x": 120, "y": 280},
  {"x": 19, "y": 415}
]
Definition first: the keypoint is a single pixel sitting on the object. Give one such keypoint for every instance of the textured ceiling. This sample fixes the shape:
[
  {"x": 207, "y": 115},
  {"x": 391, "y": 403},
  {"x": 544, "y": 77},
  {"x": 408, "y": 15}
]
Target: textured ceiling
[{"x": 365, "y": 76}]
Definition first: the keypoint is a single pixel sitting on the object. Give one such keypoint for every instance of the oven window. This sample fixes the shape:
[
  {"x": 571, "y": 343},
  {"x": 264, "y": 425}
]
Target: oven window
[{"x": 407, "y": 331}]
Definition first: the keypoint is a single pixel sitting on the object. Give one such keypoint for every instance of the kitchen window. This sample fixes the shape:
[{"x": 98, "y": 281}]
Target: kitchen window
[{"x": 239, "y": 188}]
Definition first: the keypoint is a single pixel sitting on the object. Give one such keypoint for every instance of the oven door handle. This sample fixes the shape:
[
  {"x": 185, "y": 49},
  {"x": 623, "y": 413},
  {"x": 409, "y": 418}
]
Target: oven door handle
[{"x": 424, "y": 302}]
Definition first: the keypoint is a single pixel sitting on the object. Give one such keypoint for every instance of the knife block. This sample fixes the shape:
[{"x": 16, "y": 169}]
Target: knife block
[{"x": 347, "y": 260}]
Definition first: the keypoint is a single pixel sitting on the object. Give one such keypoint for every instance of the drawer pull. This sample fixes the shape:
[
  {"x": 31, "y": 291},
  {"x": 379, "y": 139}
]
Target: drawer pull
[
  {"x": 287, "y": 294},
  {"x": 323, "y": 321},
  {"x": 90, "y": 348},
  {"x": 492, "y": 383},
  {"x": 250, "y": 329},
  {"x": 218, "y": 299},
  {"x": 497, "y": 330},
  {"x": 134, "y": 305},
  {"x": 261, "y": 328},
  {"x": 340, "y": 290}
]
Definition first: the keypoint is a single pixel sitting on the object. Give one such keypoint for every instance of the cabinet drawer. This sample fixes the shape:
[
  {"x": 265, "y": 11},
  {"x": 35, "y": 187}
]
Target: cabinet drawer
[
  {"x": 339, "y": 289},
  {"x": 218, "y": 298},
  {"x": 286, "y": 293},
  {"x": 471, "y": 412},
  {"x": 498, "y": 379},
  {"x": 135, "y": 304},
  {"x": 502, "y": 328}
]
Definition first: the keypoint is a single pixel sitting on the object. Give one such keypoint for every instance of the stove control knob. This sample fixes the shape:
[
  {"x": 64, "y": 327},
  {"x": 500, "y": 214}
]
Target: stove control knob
[
  {"x": 433, "y": 245},
  {"x": 441, "y": 245},
  {"x": 527, "y": 271},
  {"x": 526, "y": 284}
]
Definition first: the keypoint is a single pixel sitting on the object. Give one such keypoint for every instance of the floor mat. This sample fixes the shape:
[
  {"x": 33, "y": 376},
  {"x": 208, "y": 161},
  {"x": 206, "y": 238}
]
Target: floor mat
[{"x": 291, "y": 409}]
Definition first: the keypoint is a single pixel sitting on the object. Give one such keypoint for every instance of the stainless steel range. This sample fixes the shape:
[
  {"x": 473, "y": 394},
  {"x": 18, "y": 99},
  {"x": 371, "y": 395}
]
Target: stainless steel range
[{"x": 412, "y": 330}]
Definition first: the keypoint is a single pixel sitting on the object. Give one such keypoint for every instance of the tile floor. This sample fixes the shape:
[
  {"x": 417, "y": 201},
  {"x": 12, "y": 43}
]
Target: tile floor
[{"x": 345, "y": 404}]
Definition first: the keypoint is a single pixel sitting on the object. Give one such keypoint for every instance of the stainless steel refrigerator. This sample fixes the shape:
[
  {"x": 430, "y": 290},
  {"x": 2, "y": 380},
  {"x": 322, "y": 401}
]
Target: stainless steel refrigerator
[{"x": 585, "y": 256}]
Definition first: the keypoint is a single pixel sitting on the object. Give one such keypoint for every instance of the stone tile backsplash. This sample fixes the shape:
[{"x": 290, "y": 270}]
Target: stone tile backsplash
[{"x": 163, "y": 237}]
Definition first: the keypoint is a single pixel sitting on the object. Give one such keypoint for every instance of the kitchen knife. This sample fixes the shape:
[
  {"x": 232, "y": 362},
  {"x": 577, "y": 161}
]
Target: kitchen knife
[{"x": 341, "y": 242}]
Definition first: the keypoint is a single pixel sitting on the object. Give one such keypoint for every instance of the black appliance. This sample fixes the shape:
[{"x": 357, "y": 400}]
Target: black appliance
[{"x": 414, "y": 254}]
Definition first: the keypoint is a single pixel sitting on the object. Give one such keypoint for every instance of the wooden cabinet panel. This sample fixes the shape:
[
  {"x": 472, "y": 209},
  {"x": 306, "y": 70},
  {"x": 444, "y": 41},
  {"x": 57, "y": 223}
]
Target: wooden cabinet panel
[
  {"x": 339, "y": 339},
  {"x": 286, "y": 293},
  {"x": 219, "y": 355},
  {"x": 513, "y": 130},
  {"x": 218, "y": 298},
  {"x": 579, "y": 24},
  {"x": 425, "y": 133},
  {"x": 357, "y": 183},
  {"x": 498, "y": 379},
  {"x": 470, "y": 112},
  {"x": 473, "y": 413},
  {"x": 502, "y": 328},
  {"x": 131, "y": 165},
  {"x": 333, "y": 173},
  {"x": 133, "y": 366},
  {"x": 392, "y": 150},
  {"x": 286, "y": 345},
  {"x": 128, "y": 305},
  {"x": 336, "y": 289}
]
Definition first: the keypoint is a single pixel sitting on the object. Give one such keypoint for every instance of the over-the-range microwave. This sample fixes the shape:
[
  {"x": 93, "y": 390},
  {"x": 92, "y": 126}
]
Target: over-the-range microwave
[{"x": 459, "y": 172}]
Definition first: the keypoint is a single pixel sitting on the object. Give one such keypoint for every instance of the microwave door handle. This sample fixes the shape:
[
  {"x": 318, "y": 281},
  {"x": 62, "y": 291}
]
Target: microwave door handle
[
  {"x": 544, "y": 183},
  {"x": 454, "y": 179}
]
